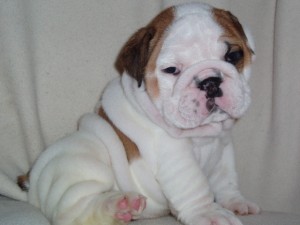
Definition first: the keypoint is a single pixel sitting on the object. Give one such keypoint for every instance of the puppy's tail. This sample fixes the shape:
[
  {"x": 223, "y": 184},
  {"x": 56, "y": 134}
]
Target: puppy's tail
[{"x": 23, "y": 181}]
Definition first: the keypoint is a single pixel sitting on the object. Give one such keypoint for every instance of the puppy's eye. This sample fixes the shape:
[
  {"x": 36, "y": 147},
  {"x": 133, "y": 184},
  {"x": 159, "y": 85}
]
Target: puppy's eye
[
  {"x": 234, "y": 57},
  {"x": 234, "y": 54},
  {"x": 171, "y": 70}
]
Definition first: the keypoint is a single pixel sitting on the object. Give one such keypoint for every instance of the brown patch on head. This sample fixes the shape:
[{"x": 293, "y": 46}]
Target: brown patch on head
[
  {"x": 135, "y": 53},
  {"x": 152, "y": 86},
  {"x": 234, "y": 36},
  {"x": 139, "y": 54}
]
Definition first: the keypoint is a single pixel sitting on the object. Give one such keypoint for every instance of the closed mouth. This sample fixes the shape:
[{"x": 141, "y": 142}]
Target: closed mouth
[{"x": 211, "y": 105}]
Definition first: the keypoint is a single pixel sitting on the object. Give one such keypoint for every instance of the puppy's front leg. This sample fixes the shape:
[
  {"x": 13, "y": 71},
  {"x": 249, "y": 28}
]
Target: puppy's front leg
[
  {"x": 187, "y": 189},
  {"x": 224, "y": 185}
]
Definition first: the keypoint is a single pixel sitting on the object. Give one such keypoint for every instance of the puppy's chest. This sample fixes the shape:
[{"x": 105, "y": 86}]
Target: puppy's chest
[
  {"x": 208, "y": 152},
  {"x": 162, "y": 148}
]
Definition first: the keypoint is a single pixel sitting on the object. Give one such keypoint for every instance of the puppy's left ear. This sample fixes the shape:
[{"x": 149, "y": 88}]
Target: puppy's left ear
[
  {"x": 247, "y": 69},
  {"x": 135, "y": 54},
  {"x": 250, "y": 42}
]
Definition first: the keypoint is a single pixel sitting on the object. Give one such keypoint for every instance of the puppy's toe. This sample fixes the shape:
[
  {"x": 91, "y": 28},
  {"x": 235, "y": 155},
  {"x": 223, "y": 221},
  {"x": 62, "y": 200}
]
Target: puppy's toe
[
  {"x": 137, "y": 204},
  {"x": 242, "y": 207},
  {"x": 126, "y": 207},
  {"x": 215, "y": 215}
]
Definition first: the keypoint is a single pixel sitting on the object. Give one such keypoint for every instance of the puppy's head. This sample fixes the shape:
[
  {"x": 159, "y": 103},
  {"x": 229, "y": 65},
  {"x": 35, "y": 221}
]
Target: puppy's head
[{"x": 193, "y": 62}]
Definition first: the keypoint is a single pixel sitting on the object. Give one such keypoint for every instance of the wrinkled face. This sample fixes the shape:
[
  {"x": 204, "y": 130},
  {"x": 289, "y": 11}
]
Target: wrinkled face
[{"x": 195, "y": 69}]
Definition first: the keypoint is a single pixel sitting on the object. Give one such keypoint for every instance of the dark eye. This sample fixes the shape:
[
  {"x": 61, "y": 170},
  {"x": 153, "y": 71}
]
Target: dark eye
[
  {"x": 234, "y": 57},
  {"x": 234, "y": 54},
  {"x": 171, "y": 70}
]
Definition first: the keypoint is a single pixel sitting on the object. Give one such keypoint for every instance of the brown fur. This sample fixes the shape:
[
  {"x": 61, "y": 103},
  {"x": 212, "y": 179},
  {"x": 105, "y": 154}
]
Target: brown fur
[
  {"x": 151, "y": 81},
  {"x": 131, "y": 149},
  {"x": 23, "y": 181},
  {"x": 234, "y": 35},
  {"x": 141, "y": 49}
]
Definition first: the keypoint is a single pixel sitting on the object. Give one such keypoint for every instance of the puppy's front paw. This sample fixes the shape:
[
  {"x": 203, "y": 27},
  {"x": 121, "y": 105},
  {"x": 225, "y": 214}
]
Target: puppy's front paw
[
  {"x": 216, "y": 215},
  {"x": 241, "y": 207},
  {"x": 220, "y": 216},
  {"x": 125, "y": 207}
]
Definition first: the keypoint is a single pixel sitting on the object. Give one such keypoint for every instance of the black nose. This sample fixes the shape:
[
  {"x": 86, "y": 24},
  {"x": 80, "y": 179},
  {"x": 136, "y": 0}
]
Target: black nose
[{"x": 211, "y": 86}]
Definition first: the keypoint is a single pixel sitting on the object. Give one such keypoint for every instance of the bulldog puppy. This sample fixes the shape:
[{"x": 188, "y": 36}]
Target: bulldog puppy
[{"x": 159, "y": 141}]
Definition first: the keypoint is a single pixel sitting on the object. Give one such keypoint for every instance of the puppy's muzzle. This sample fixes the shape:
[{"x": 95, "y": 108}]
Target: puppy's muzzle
[{"x": 209, "y": 77}]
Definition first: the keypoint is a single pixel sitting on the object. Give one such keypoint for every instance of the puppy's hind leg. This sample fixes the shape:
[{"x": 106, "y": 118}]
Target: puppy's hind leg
[
  {"x": 80, "y": 189},
  {"x": 109, "y": 208}
]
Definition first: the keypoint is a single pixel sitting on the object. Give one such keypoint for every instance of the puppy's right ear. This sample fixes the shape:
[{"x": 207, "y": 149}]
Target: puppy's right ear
[{"x": 135, "y": 54}]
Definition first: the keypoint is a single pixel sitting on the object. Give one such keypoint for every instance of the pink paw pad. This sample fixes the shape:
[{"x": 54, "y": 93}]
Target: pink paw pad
[
  {"x": 129, "y": 207},
  {"x": 123, "y": 204},
  {"x": 126, "y": 217},
  {"x": 138, "y": 204}
]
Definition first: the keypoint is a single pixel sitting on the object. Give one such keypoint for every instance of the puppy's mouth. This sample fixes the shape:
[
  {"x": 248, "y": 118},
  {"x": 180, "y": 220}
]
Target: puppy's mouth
[{"x": 211, "y": 105}]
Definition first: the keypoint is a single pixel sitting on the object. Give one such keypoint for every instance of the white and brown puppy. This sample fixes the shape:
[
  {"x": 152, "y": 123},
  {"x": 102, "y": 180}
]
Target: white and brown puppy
[{"x": 159, "y": 142}]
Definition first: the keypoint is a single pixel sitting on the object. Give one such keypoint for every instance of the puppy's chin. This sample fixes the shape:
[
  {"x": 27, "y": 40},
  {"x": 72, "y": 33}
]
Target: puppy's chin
[
  {"x": 185, "y": 111},
  {"x": 190, "y": 121},
  {"x": 216, "y": 117}
]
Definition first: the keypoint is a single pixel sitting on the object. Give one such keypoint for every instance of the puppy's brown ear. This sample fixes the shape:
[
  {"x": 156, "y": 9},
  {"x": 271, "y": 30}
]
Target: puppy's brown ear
[
  {"x": 135, "y": 54},
  {"x": 234, "y": 34}
]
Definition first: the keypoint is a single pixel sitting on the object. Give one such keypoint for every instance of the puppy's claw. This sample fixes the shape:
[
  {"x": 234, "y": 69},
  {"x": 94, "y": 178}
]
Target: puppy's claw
[{"x": 242, "y": 207}]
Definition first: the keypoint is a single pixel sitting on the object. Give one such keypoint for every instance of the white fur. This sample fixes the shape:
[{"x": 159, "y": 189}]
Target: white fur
[
  {"x": 191, "y": 40},
  {"x": 183, "y": 166}
]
